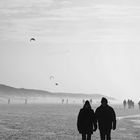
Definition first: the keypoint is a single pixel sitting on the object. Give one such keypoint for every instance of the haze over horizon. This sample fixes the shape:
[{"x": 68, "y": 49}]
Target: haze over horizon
[{"x": 87, "y": 46}]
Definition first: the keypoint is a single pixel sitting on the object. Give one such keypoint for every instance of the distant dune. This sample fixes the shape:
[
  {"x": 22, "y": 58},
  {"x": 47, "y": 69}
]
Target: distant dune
[
  {"x": 8, "y": 91},
  {"x": 82, "y": 95}
]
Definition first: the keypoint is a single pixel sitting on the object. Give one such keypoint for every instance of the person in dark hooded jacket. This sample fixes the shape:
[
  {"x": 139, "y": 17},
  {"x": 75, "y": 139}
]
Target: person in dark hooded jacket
[
  {"x": 86, "y": 122},
  {"x": 106, "y": 119}
]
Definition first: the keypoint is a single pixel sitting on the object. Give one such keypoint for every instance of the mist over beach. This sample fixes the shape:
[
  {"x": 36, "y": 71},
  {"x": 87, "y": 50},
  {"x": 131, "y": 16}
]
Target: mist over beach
[{"x": 88, "y": 46}]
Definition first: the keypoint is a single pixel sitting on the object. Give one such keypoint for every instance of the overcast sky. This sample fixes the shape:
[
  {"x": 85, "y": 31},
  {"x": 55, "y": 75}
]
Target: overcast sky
[{"x": 89, "y": 46}]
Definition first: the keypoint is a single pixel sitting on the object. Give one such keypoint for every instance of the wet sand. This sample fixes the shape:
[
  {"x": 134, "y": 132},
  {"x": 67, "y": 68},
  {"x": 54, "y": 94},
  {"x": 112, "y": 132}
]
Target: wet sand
[{"x": 58, "y": 122}]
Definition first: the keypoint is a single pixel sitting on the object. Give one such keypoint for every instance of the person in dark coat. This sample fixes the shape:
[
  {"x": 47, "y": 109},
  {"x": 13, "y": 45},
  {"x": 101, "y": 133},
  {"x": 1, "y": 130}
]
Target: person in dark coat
[
  {"x": 86, "y": 122},
  {"x": 106, "y": 119}
]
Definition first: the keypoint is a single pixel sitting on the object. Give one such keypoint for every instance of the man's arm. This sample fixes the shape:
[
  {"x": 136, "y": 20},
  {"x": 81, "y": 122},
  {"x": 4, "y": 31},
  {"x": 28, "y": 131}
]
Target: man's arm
[
  {"x": 96, "y": 118},
  {"x": 94, "y": 121},
  {"x": 79, "y": 120},
  {"x": 113, "y": 119}
]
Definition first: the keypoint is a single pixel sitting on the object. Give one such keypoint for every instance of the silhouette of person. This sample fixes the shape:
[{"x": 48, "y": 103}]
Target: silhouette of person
[
  {"x": 9, "y": 101},
  {"x": 139, "y": 104},
  {"x": 106, "y": 119},
  {"x": 86, "y": 121},
  {"x": 124, "y": 104}
]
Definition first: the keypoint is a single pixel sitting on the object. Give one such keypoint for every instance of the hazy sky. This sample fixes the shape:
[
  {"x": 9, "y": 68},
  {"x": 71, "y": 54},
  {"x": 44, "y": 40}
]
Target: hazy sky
[{"x": 89, "y": 46}]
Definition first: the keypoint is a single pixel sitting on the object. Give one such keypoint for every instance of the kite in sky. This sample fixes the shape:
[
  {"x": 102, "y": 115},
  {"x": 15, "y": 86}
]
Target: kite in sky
[
  {"x": 32, "y": 39},
  {"x": 56, "y": 84},
  {"x": 51, "y": 77}
]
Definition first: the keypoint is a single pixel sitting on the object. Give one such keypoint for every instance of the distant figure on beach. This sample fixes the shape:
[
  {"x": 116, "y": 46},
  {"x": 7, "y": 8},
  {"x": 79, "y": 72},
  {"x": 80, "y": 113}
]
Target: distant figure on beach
[
  {"x": 130, "y": 104},
  {"x": 83, "y": 101},
  {"x": 86, "y": 122},
  {"x": 67, "y": 101},
  {"x": 124, "y": 104},
  {"x": 63, "y": 101},
  {"x": 9, "y": 101},
  {"x": 139, "y": 104},
  {"x": 106, "y": 119},
  {"x": 90, "y": 101}
]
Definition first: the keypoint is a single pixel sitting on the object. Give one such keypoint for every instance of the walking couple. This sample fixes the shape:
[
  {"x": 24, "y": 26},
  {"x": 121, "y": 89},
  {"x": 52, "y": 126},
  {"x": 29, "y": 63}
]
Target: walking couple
[{"x": 104, "y": 118}]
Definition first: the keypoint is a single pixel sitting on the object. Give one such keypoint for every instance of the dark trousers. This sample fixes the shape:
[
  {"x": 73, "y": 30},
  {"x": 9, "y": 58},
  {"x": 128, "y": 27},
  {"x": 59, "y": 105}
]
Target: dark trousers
[
  {"x": 105, "y": 134},
  {"x": 86, "y": 136}
]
